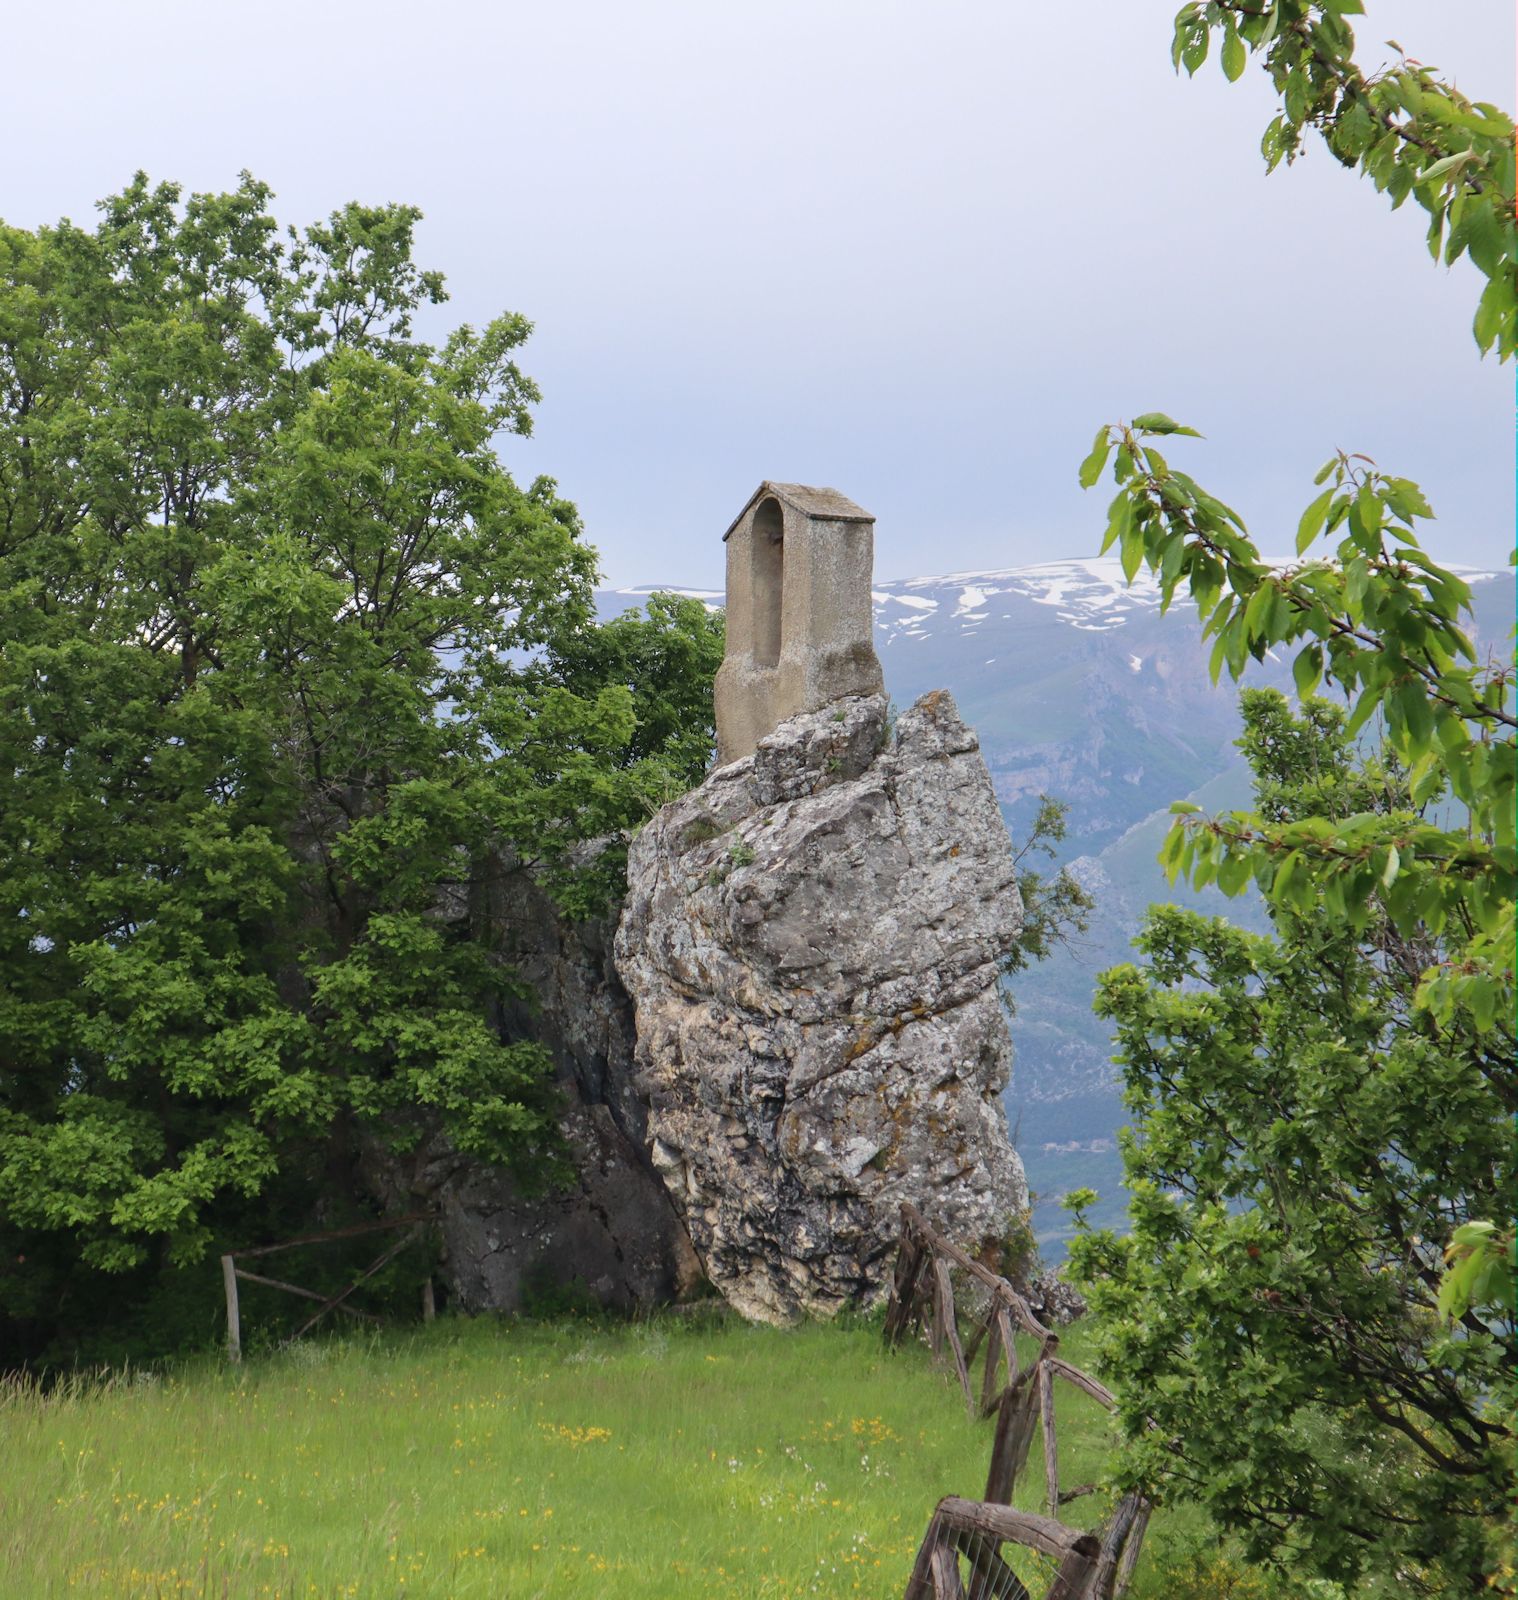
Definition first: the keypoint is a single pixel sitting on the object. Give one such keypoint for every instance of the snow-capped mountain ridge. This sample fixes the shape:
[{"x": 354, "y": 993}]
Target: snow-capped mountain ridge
[
  {"x": 1087, "y": 592},
  {"x": 1091, "y": 594}
]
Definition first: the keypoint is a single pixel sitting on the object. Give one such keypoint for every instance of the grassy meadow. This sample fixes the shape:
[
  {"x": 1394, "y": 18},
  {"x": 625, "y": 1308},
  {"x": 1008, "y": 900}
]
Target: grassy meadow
[{"x": 678, "y": 1457}]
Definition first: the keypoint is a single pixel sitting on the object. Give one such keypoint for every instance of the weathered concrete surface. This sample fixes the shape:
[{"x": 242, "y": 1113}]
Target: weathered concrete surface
[
  {"x": 613, "y": 1233},
  {"x": 812, "y": 942},
  {"x": 800, "y": 629}
]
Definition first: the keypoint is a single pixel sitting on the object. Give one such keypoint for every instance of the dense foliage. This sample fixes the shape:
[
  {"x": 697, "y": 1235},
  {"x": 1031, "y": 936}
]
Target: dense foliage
[
  {"x": 290, "y": 667},
  {"x": 1304, "y": 1141},
  {"x": 1319, "y": 1113}
]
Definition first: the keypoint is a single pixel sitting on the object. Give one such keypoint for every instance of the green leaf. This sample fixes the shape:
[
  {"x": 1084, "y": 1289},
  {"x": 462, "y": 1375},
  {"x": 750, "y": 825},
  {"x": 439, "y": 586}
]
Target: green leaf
[
  {"x": 1485, "y": 230},
  {"x": 1233, "y": 53},
  {"x": 1406, "y": 499},
  {"x": 1364, "y": 709},
  {"x": 1173, "y": 846},
  {"x": 1218, "y": 657},
  {"x": 1307, "y": 670},
  {"x": 1297, "y": 93},
  {"x": 1179, "y": 38},
  {"x": 1091, "y": 467},
  {"x": 1313, "y": 519},
  {"x": 1454, "y": 1290},
  {"x": 1483, "y": 1003},
  {"x": 1234, "y": 874},
  {"x": 1119, "y": 520},
  {"x": 1427, "y": 780},
  {"x": 1436, "y": 233},
  {"x": 1449, "y": 164},
  {"x": 1410, "y": 701},
  {"x": 1158, "y": 422},
  {"x": 1365, "y": 517},
  {"x": 1132, "y": 552},
  {"x": 1494, "y": 307}
]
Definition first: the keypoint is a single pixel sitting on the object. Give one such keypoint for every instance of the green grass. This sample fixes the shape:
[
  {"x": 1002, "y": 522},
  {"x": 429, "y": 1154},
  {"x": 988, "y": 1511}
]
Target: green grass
[{"x": 670, "y": 1458}]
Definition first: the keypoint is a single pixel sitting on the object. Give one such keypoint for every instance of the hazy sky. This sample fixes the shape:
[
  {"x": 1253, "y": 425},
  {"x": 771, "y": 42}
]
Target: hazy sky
[{"x": 915, "y": 252}]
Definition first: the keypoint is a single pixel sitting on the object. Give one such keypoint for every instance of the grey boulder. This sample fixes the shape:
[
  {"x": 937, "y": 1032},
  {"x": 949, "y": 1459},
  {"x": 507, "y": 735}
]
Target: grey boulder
[{"x": 812, "y": 941}]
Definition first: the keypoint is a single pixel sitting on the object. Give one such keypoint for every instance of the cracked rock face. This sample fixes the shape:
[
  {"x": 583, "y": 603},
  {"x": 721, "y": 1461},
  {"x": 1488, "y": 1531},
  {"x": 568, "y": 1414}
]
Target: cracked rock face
[
  {"x": 612, "y": 1234},
  {"x": 812, "y": 940}
]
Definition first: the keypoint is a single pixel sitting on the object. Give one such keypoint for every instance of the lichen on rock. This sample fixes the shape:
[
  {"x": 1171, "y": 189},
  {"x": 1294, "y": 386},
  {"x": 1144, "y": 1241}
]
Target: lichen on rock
[{"x": 812, "y": 940}]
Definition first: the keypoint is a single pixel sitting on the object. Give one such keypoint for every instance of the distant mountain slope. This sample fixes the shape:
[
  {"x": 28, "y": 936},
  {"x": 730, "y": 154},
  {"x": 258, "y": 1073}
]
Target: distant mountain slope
[
  {"x": 1076, "y": 684},
  {"x": 1080, "y": 688}
]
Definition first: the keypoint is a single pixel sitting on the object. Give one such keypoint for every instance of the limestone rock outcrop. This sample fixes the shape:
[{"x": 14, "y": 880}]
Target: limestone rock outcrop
[{"x": 812, "y": 941}]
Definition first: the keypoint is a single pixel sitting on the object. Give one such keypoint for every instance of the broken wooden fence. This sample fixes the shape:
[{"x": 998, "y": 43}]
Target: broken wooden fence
[
  {"x": 1091, "y": 1567},
  {"x": 231, "y": 1273}
]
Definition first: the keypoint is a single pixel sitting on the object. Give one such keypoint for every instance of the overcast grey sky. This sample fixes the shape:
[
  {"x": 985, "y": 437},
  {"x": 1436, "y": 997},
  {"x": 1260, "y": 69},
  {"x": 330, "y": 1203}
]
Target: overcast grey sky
[{"x": 917, "y": 252}]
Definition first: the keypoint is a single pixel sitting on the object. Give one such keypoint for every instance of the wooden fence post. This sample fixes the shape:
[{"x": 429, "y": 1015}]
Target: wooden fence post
[
  {"x": 903, "y": 1285},
  {"x": 1131, "y": 1549},
  {"x": 1116, "y": 1537},
  {"x": 944, "y": 1566},
  {"x": 234, "y": 1320},
  {"x": 920, "y": 1580},
  {"x": 990, "y": 1390},
  {"x": 1090, "y": 1568},
  {"x": 1014, "y": 1433},
  {"x": 1051, "y": 1444},
  {"x": 1072, "y": 1580},
  {"x": 944, "y": 1317},
  {"x": 937, "y": 1336},
  {"x": 429, "y": 1302}
]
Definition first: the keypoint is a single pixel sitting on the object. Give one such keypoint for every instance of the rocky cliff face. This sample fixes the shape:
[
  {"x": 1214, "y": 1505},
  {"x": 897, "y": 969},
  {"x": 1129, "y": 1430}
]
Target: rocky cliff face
[
  {"x": 811, "y": 940},
  {"x": 613, "y": 1233}
]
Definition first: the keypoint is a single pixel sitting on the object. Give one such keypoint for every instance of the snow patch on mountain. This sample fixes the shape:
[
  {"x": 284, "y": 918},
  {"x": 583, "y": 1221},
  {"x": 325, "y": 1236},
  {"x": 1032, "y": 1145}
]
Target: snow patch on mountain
[{"x": 1089, "y": 593}]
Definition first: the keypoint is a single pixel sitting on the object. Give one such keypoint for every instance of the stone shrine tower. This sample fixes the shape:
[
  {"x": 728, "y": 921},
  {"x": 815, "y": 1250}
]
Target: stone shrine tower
[{"x": 799, "y": 618}]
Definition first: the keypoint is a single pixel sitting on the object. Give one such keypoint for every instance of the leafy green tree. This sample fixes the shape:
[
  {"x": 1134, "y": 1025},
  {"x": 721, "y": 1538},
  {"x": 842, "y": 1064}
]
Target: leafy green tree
[
  {"x": 1303, "y": 1141},
  {"x": 666, "y": 656},
  {"x": 1057, "y": 910},
  {"x": 284, "y": 668},
  {"x": 1318, "y": 1113}
]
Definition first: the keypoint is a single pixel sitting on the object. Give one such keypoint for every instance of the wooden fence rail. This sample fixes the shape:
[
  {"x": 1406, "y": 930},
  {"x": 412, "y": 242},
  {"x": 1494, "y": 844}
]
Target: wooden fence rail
[
  {"x": 977, "y": 1531},
  {"x": 1091, "y": 1566},
  {"x": 231, "y": 1273}
]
